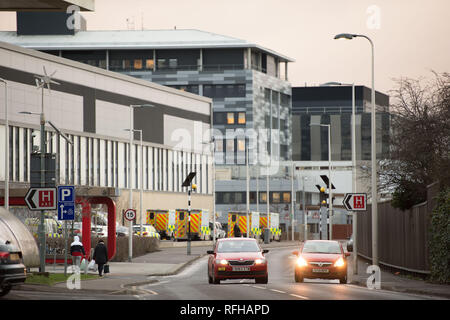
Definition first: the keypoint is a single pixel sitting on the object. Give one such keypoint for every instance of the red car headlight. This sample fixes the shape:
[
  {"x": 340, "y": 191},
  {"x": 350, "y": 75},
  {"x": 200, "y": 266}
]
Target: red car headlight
[
  {"x": 222, "y": 262},
  {"x": 260, "y": 261},
  {"x": 339, "y": 263}
]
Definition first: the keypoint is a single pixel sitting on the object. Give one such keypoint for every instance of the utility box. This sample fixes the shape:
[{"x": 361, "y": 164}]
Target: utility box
[{"x": 267, "y": 236}]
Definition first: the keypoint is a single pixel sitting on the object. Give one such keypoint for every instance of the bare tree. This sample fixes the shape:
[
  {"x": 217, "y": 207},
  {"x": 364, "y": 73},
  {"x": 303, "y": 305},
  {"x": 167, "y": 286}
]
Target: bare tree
[{"x": 420, "y": 138}]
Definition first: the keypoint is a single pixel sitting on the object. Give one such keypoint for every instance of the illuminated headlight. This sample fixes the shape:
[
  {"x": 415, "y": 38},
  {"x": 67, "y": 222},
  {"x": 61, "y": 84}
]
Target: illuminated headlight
[
  {"x": 301, "y": 262},
  {"x": 260, "y": 261},
  {"x": 222, "y": 262},
  {"x": 339, "y": 262}
]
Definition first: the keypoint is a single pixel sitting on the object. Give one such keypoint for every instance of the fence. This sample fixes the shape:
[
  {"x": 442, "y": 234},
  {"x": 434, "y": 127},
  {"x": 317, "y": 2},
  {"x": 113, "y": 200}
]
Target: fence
[{"x": 402, "y": 235}]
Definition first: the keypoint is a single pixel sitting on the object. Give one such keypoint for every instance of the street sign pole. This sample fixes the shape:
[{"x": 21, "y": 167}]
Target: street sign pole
[{"x": 43, "y": 151}]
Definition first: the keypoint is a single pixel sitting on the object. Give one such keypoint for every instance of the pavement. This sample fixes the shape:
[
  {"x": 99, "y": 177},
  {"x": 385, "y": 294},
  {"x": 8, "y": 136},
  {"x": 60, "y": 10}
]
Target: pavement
[
  {"x": 170, "y": 259},
  {"x": 396, "y": 282}
]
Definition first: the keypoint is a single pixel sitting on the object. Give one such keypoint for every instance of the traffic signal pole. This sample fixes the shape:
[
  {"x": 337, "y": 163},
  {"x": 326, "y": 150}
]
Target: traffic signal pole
[{"x": 42, "y": 222}]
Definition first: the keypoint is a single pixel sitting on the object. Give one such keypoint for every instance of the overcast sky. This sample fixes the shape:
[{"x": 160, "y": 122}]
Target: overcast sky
[{"x": 411, "y": 37}]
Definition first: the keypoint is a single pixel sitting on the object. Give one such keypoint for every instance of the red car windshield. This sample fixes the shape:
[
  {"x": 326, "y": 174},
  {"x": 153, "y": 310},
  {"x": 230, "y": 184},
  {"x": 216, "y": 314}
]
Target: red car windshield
[
  {"x": 237, "y": 246},
  {"x": 321, "y": 247}
]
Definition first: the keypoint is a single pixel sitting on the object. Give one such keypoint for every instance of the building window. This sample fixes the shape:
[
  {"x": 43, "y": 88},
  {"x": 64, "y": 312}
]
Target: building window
[
  {"x": 241, "y": 118},
  {"x": 241, "y": 145},
  {"x": 230, "y": 118},
  {"x": 137, "y": 64},
  {"x": 286, "y": 197},
  {"x": 126, "y": 65},
  {"x": 276, "y": 197},
  {"x": 149, "y": 64},
  {"x": 162, "y": 63},
  {"x": 263, "y": 197},
  {"x": 230, "y": 145},
  {"x": 173, "y": 63}
]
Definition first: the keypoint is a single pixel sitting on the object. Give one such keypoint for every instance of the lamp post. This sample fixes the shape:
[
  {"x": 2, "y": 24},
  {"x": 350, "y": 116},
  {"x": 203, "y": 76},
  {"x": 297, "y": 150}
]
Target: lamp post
[
  {"x": 6, "y": 195},
  {"x": 212, "y": 143},
  {"x": 330, "y": 185},
  {"x": 349, "y": 36},
  {"x": 130, "y": 168},
  {"x": 141, "y": 189}
]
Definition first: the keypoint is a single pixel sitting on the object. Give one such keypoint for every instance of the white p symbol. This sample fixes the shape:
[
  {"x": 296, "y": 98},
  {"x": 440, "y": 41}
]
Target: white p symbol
[{"x": 65, "y": 193}]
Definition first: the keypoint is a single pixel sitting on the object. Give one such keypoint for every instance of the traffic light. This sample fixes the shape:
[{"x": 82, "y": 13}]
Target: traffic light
[{"x": 324, "y": 196}]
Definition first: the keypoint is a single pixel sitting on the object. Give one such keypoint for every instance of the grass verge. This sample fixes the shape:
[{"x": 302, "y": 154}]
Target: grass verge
[{"x": 54, "y": 278}]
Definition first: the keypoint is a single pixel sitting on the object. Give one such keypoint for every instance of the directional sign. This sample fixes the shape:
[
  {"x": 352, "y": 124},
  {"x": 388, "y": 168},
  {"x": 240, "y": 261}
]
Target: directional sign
[
  {"x": 66, "y": 202},
  {"x": 355, "y": 201},
  {"x": 41, "y": 198},
  {"x": 130, "y": 214}
]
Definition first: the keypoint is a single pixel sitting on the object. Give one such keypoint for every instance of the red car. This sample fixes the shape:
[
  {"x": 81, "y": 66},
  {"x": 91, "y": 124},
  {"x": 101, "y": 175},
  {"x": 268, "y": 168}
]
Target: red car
[
  {"x": 237, "y": 258},
  {"x": 321, "y": 259}
]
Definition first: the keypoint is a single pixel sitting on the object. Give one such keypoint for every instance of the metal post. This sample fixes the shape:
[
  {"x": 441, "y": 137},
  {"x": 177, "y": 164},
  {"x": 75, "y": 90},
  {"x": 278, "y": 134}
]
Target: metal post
[
  {"x": 189, "y": 221},
  {"x": 330, "y": 185},
  {"x": 42, "y": 220},
  {"x": 214, "y": 186},
  {"x": 141, "y": 193},
  {"x": 374, "y": 168},
  {"x": 248, "y": 187},
  {"x": 305, "y": 215},
  {"x": 292, "y": 200},
  {"x": 6, "y": 195},
  {"x": 354, "y": 222},
  {"x": 130, "y": 187},
  {"x": 65, "y": 247}
]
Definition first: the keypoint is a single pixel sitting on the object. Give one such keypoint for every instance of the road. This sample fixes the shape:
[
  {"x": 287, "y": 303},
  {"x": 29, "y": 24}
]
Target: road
[{"x": 192, "y": 284}]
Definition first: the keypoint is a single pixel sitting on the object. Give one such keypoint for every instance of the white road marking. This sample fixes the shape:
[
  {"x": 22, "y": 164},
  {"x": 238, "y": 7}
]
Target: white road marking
[
  {"x": 259, "y": 287},
  {"x": 279, "y": 291},
  {"x": 297, "y": 296}
]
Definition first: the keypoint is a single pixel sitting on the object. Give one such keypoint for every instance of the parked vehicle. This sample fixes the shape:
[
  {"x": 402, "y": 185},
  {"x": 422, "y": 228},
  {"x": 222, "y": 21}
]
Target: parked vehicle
[
  {"x": 238, "y": 219},
  {"x": 147, "y": 231},
  {"x": 220, "y": 233},
  {"x": 321, "y": 259},
  {"x": 12, "y": 270},
  {"x": 159, "y": 219},
  {"x": 237, "y": 258},
  {"x": 199, "y": 225}
]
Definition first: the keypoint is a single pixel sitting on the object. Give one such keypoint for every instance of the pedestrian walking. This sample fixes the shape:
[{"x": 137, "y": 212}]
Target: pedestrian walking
[
  {"x": 100, "y": 256},
  {"x": 77, "y": 251}
]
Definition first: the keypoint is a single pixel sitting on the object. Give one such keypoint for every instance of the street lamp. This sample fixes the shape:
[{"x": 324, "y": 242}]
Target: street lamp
[
  {"x": 142, "y": 175},
  {"x": 212, "y": 144},
  {"x": 130, "y": 168},
  {"x": 330, "y": 185},
  {"x": 6, "y": 195},
  {"x": 374, "y": 150}
]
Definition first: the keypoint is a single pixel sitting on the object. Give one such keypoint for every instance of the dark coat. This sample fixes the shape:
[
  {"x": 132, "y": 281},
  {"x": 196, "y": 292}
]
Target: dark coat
[
  {"x": 100, "y": 254},
  {"x": 237, "y": 230}
]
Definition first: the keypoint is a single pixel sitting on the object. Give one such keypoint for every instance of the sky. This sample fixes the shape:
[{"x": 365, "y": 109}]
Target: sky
[{"x": 411, "y": 37}]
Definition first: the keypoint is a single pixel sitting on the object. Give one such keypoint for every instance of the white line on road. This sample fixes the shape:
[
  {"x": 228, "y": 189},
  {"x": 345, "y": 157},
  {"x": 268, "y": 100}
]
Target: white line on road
[
  {"x": 259, "y": 287},
  {"x": 279, "y": 291},
  {"x": 297, "y": 296}
]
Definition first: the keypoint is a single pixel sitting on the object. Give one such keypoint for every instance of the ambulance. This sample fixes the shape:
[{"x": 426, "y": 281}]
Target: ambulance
[
  {"x": 160, "y": 220},
  {"x": 239, "y": 218},
  {"x": 199, "y": 228},
  {"x": 274, "y": 227}
]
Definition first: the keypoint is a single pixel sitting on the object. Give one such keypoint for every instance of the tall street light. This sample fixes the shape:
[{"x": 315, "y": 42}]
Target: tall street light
[
  {"x": 330, "y": 185},
  {"x": 355, "y": 217},
  {"x": 212, "y": 143},
  {"x": 130, "y": 168},
  {"x": 349, "y": 36},
  {"x": 6, "y": 195}
]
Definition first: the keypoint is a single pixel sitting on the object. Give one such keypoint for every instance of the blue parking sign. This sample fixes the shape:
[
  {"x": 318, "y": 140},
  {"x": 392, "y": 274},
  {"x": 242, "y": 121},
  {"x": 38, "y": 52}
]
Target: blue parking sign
[{"x": 66, "y": 203}]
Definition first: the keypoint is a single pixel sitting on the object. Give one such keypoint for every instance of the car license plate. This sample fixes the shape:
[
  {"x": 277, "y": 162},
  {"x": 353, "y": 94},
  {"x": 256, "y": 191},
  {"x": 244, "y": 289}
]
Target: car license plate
[
  {"x": 241, "y": 268},
  {"x": 14, "y": 257},
  {"x": 321, "y": 270}
]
